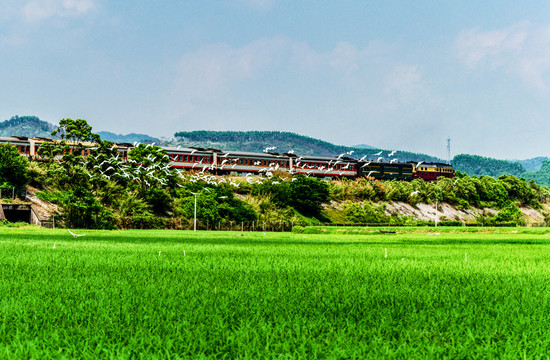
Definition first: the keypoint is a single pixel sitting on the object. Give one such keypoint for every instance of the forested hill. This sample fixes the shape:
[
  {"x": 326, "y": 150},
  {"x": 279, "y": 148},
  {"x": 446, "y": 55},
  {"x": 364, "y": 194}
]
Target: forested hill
[
  {"x": 258, "y": 141},
  {"x": 479, "y": 165},
  {"x": 30, "y": 126},
  {"x": 534, "y": 164}
]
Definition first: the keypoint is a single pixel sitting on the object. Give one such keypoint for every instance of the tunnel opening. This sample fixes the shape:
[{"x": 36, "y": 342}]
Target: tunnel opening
[{"x": 16, "y": 213}]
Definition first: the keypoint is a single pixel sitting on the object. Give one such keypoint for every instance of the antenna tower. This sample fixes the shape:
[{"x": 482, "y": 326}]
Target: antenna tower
[{"x": 448, "y": 150}]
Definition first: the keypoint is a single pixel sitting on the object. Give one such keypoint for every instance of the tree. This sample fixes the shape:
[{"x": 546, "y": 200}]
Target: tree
[
  {"x": 76, "y": 130},
  {"x": 307, "y": 194},
  {"x": 13, "y": 167}
]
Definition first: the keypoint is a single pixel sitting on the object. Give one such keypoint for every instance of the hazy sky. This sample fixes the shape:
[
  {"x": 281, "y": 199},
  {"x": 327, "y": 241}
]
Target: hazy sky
[{"x": 393, "y": 74}]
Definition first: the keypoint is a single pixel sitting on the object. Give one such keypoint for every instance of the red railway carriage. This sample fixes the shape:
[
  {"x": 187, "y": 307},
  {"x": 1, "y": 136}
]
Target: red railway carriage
[
  {"x": 248, "y": 162},
  {"x": 325, "y": 166},
  {"x": 190, "y": 158}
]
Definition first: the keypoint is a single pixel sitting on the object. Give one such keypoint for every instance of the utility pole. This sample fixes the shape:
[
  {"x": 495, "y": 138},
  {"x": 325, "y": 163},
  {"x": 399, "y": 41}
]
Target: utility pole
[
  {"x": 436, "y": 214},
  {"x": 195, "y": 216}
]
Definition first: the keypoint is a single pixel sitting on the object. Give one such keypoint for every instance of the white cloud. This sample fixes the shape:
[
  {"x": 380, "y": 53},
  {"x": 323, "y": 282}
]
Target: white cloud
[
  {"x": 404, "y": 80},
  {"x": 208, "y": 70},
  {"x": 263, "y": 80},
  {"x": 474, "y": 46},
  {"x": 522, "y": 50},
  {"x": 211, "y": 69},
  {"x": 37, "y": 10}
]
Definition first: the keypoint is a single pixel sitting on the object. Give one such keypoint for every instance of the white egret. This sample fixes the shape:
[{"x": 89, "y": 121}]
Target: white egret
[{"x": 74, "y": 235}]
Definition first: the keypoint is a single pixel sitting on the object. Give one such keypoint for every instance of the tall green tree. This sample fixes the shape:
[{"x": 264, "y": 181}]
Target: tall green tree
[{"x": 13, "y": 167}]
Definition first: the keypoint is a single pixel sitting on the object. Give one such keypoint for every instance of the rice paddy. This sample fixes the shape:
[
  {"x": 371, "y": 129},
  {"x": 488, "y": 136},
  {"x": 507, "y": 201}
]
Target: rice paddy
[{"x": 481, "y": 293}]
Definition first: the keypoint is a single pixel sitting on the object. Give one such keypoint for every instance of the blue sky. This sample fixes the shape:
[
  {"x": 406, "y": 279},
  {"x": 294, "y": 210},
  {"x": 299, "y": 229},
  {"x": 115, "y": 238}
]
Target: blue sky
[{"x": 393, "y": 74}]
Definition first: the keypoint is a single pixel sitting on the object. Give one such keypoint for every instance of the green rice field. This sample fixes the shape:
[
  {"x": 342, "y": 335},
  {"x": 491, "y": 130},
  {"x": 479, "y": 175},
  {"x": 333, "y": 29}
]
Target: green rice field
[{"x": 333, "y": 294}]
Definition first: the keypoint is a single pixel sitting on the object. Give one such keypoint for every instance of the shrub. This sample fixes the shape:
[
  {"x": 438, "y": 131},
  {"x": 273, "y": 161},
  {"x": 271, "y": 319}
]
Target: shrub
[
  {"x": 147, "y": 222},
  {"x": 450, "y": 223},
  {"x": 365, "y": 213}
]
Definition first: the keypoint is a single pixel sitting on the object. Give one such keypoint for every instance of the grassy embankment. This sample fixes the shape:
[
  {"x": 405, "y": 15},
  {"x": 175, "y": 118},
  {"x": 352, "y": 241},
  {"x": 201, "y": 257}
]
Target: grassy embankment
[{"x": 249, "y": 295}]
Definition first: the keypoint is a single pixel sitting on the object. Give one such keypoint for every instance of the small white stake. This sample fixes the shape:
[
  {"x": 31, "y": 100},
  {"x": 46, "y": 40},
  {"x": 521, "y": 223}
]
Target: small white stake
[
  {"x": 53, "y": 246},
  {"x": 385, "y": 252},
  {"x": 159, "y": 253},
  {"x": 183, "y": 252}
]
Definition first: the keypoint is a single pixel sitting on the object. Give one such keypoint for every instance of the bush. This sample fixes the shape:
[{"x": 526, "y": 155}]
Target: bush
[
  {"x": 365, "y": 213},
  {"x": 449, "y": 223},
  {"x": 6, "y": 223},
  {"x": 147, "y": 222}
]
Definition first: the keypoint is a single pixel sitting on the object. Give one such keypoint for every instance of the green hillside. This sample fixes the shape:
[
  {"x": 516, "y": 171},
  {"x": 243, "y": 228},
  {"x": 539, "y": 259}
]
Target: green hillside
[
  {"x": 480, "y": 165},
  {"x": 533, "y": 164},
  {"x": 258, "y": 141},
  {"x": 30, "y": 126}
]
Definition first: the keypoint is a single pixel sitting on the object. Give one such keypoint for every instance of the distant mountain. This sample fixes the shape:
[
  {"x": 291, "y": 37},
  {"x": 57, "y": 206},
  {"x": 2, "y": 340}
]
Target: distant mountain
[
  {"x": 258, "y": 141},
  {"x": 129, "y": 138},
  {"x": 30, "y": 126},
  {"x": 363, "y": 146},
  {"x": 533, "y": 164}
]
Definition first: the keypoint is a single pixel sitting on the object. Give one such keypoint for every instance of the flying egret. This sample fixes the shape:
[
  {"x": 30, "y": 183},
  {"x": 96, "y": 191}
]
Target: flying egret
[{"x": 75, "y": 235}]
